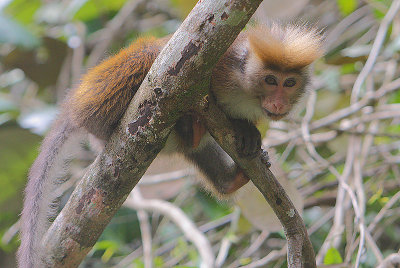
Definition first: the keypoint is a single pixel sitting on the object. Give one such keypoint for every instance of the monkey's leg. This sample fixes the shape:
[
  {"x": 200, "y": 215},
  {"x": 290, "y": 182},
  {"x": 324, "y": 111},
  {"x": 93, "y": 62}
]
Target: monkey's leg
[
  {"x": 219, "y": 169},
  {"x": 217, "y": 166}
]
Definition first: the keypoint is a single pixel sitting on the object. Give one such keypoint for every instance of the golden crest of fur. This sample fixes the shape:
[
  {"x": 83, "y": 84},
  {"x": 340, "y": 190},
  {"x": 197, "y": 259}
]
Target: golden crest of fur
[{"x": 286, "y": 46}]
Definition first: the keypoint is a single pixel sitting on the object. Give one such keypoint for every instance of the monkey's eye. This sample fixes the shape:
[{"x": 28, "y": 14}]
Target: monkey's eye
[
  {"x": 290, "y": 82},
  {"x": 271, "y": 80}
]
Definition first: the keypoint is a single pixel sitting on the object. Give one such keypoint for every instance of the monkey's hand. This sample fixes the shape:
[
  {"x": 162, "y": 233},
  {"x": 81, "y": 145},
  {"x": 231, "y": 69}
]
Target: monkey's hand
[
  {"x": 248, "y": 138},
  {"x": 265, "y": 158}
]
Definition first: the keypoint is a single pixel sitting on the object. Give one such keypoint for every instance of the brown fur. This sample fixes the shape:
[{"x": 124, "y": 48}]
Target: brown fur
[
  {"x": 106, "y": 90},
  {"x": 288, "y": 47}
]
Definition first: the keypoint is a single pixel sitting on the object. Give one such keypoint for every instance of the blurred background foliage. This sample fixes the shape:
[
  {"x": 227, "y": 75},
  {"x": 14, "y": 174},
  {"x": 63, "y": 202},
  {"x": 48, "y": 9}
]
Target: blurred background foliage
[{"x": 45, "y": 46}]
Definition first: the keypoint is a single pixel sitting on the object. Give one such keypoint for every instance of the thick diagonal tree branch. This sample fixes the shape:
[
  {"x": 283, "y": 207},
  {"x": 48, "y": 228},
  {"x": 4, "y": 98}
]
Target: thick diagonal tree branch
[{"x": 179, "y": 76}]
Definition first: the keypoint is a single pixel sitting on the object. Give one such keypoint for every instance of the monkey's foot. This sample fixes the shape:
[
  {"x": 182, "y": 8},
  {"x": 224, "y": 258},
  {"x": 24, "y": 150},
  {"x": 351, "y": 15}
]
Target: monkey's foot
[
  {"x": 265, "y": 158},
  {"x": 248, "y": 138},
  {"x": 239, "y": 180}
]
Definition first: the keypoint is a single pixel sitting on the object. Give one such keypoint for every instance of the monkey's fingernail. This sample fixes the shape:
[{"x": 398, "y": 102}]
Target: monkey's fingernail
[
  {"x": 205, "y": 103},
  {"x": 158, "y": 91}
]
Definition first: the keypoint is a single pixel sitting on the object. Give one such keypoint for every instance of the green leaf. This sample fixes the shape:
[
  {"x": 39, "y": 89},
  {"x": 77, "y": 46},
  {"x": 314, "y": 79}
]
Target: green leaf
[
  {"x": 375, "y": 197},
  {"x": 18, "y": 149},
  {"x": 15, "y": 159},
  {"x": 109, "y": 247},
  {"x": 87, "y": 12},
  {"x": 395, "y": 97},
  {"x": 347, "y": 7},
  {"x": 380, "y": 7},
  {"x": 14, "y": 33},
  {"x": 23, "y": 10},
  {"x": 245, "y": 261},
  {"x": 183, "y": 6},
  {"x": 332, "y": 256},
  {"x": 93, "y": 9},
  {"x": 180, "y": 249},
  {"x": 213, "y": 208},
  {"x": 159, "y": 262},
  {"x": 348, "y": 68},
  {"x": 137, "y": 263}
]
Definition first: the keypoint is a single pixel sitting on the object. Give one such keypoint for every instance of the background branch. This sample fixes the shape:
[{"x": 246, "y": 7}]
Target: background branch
[{"x": 180, "y": 219}]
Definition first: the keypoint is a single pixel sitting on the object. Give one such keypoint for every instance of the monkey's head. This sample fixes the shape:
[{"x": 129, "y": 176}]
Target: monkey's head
[{"x": 278, "y": 63}]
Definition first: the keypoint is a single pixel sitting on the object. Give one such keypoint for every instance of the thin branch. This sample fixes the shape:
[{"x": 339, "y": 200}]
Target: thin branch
[
  {"x": 342, "y": 180},
  {"x": 166, "y": 177},
  {"x": 374, "y": 247},
  {"x": 111, "y": 30},
  {"x": 393, "y": 260},
  {"x": 343, "y": 25},
  {"x": 272, "y": 256},
  {"x": 376, "y": 47},
  {"x": 78, "y": 53},
  {"x": 338, "y": 115},
  {"x": 145, "y": 229},
  {"x": 321, "y": 221},
  {"x": 10, "y": 233},
  {"x": 383, "y": 212},
  {"x": 227, "y": 241},
  {"x": 176, "y": 215},
  {"x": 255, "y": 245},
  {"x": 130, "y": 258}
]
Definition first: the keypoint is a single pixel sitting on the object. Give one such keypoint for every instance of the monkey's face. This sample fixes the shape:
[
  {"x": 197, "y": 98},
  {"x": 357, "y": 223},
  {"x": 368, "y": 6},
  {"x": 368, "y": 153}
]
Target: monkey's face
[{"x": 279, "y": 91}]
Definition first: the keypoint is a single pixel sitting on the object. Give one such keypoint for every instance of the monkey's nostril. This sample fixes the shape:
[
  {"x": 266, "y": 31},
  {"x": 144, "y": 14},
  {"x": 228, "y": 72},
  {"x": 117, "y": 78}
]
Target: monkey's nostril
[{"x": 277, "y": 107}]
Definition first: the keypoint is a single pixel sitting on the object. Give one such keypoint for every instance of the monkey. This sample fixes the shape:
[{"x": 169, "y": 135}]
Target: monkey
[{"x": 263, "y": 74}]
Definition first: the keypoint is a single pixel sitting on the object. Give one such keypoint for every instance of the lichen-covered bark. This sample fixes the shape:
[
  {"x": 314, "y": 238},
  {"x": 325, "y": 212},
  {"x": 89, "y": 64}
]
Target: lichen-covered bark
[{"x": 178, "y": 78}]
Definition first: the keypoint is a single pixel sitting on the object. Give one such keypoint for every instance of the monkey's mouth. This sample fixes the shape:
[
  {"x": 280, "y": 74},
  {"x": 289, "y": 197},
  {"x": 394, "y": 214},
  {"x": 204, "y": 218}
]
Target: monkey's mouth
[{"x": 274, "y": 116}]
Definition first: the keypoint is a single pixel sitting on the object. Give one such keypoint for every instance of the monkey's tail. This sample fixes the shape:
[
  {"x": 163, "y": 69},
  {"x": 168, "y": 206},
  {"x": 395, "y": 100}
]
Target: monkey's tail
[{"x": 44, "y": 176}]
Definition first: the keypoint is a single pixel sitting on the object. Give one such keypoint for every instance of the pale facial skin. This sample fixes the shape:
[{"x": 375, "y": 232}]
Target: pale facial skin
[
  {"x": 280, "y": 90},
  {"x": 262, "y": 93}
]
